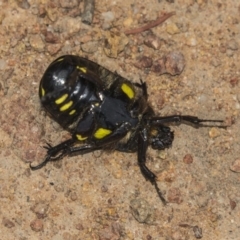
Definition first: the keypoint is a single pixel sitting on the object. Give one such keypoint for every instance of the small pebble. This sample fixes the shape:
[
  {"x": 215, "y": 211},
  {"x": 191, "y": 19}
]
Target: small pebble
[
  {"x": 234, "y": 81},
  {"x": 50, "y": 37},
  {"x": 233, "y": 204},
  {"x": 2, "y": 64},
  {"x": 114, "y": 43},
  {"x": 216, "y": 62},
  {"x": 188, "y": 159},
  {"x": 68, "y": 25},
  {"x": 214, "y": 132},
  {"x": 197, "y": 232},
  {"x": 235, "y": 166},
  {"x": 37, "y": 43},
  {"x": 174, "y": 196},
  {"x": 143, "y": 62},
  {"x": 88, "y": 11},
  {"x": 52, "y": 14},
  {"x": 191, "y": 41},
  {"x": 152, "y": 42},
  {"x": 108, "y": 16},
  {"x": 42, "y": 11},
  {"x": 73, "y": 196},
  {"x": 40, "y": 209},
  {"x": 175, "y": 63},
  {"x": 142, "y": 211},
  {"x": 24, "y": 4},
  {"x": 128, "y": 22},
  {"x": 69, "y": 3},
  {"x": 54, "y": 48},
  {"x": 232, "y": 45},
  {"x": 229, "y": 52},
  {"x": 159, "y": 66},
  {"x": 7, "y": 223},
  {"x": 90, "y": 47},
  {"x": 36, "y": 225},
  {"x": 172, "y": 28}
]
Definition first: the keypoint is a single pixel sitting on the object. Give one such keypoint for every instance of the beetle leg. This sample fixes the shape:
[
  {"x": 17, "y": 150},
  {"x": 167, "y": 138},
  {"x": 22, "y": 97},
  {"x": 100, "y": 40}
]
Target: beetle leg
[
  {"x": 181, "y": 118},
  {"x": 142, "y": 149},
  {"x": 55, "y": 153}
]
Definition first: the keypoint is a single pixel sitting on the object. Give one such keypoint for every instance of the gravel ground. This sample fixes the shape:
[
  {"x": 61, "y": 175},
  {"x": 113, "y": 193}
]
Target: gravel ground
[{"x": 190, "y": 64}]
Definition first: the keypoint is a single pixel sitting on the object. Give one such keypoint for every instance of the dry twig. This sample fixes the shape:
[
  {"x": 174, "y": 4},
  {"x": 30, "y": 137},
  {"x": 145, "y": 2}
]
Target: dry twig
[{"x": 151, "y": 24}]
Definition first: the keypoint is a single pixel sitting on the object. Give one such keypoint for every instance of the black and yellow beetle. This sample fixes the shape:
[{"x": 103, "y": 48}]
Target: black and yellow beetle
[{"x": 103, "y": 110}]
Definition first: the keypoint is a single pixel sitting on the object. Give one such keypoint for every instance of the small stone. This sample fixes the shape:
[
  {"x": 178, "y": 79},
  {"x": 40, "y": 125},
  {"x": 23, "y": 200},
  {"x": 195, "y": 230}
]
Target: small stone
[
  {"x": 197, "y": 232},
  {"x": 7, "y": 223},
  {"x": 36, "y": 225},
  {"x": 59, "y": 188},
  {"x": 188, "y": 159},
  {"x": 191, "y": 41},
  {"x": 143, "y": 62},
  {"x": 24, "y": 4},
  {"x": 234, "y": 81},
  {"x": 232, "y": 44},
  {"x": 216, "y": 62},
  {"x": 128, "y": 22},
  {"x": 229, "y": 52},
  {"x": 52, "y": 14},
  {"x": 69, "y": 3},
  {"x": 2, "y": 64},
  {"x": 37, "y": 43},
  {"x": 34, "y": 10},
  {"x": 162, "y": 154},
  {"x": 108, "y": 16},
  {"x": 222, "y": 48},
  {"x": 233, "y": 204},
  {"x": 40, "y": 209},
  {"x": 142, "y": 211},
  {"x": 152, "y": 42},
  {"x": 79, "y": 227},
  {"x": 50, "y": 37},
  {"x": 42, "y": 11},
  {"x": 54, "y": 48},
  {"x": 175, "y": 63},
  {"x": 68, "y": 25},
  {"x": 235, "y": 166},
  {"x": 214, "y": 132},
  {"x": 114, "y": 43},
  {"x": 90, "y": 47},
  {"x": 159, "y": 66},
  {"x": 172, "y": 28},
  {"x": 73, "y": 196},
  {"x": 174, "y": 196}
]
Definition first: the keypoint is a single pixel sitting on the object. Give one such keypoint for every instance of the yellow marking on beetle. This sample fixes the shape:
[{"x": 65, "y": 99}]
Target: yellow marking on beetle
[
  {"x": 66, "y": 106},
  {"x": 42, "y": 92},
  {"x": 80, "y": 137},
  {"x": 127, "y": 90},
  {"x": 61, "y": 99},
  {"x": 101, "y": 133},
  {"x": 72, "y": 112},
  {"x": 83, "y": 69},
  {"x": 60, "y": 59}
]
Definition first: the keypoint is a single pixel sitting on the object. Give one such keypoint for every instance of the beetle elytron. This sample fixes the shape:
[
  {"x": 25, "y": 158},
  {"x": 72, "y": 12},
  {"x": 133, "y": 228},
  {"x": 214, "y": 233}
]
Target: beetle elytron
[{"x": 103, "y": 110}]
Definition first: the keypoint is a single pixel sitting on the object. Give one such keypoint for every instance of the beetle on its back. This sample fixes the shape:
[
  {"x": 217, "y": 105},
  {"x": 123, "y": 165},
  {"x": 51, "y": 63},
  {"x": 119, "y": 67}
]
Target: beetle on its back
[{"x": 103, "y": 110}]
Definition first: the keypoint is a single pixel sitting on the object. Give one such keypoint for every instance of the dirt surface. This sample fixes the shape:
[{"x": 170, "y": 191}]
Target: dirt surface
[{"x": 103, "y": 195}]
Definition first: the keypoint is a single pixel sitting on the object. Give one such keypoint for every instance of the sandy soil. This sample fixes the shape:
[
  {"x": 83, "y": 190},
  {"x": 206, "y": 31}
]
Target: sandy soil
[{"x": 103, "y": 195}]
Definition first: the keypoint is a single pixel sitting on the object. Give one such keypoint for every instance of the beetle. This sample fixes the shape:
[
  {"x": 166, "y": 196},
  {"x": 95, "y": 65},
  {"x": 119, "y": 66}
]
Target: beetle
[{"x": 103, "y": 110}]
